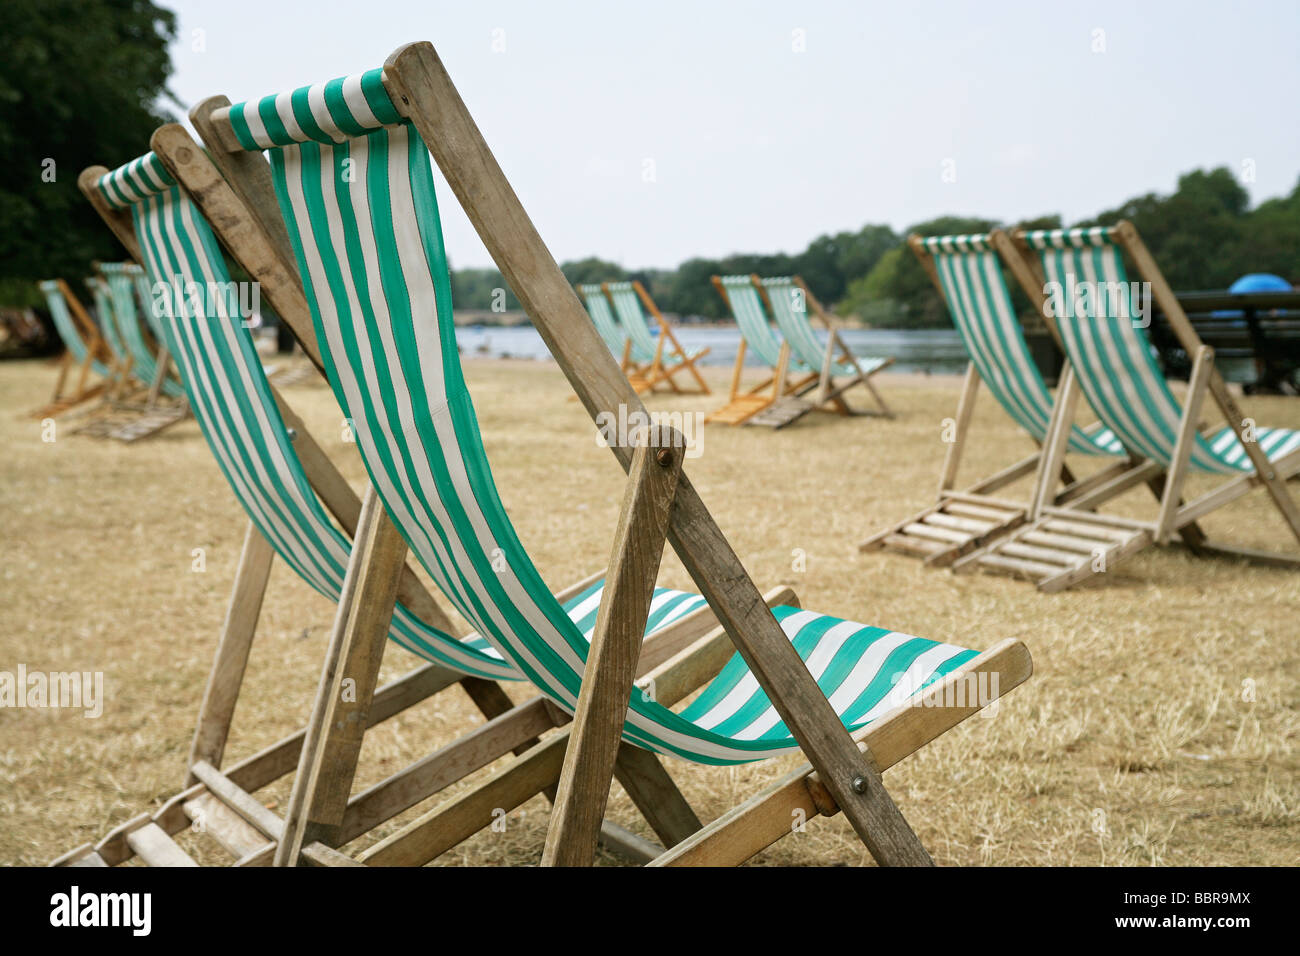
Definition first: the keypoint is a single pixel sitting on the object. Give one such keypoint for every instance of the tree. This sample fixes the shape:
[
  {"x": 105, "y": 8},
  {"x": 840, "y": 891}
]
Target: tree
[{"x": 80, "y": 83}]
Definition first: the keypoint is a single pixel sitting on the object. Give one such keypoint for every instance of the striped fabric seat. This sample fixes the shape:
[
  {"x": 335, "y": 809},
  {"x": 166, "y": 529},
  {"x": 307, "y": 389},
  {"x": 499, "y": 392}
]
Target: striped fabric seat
[
  {"x": 65, "y": 326},
  {"x": 751, "y": 318},
  {"x": 123, "y": 281},
  {"x": 791, "y": 314},
  {"x": 107, "y": 318},
  {"x": 375, "y": 275},
  {"x": 980, "y": 305},
  {"x": 146, "y": 293},
  {"x": 633, "y": 320},
  {"x": 601, "y": 317},
  {"x": 234, "y": 406},
  {"x": 1106, "y": 340}
]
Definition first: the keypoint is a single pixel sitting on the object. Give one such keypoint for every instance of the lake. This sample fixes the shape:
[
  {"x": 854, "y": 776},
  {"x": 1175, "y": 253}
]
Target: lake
[{"x": 915, "y": 350}]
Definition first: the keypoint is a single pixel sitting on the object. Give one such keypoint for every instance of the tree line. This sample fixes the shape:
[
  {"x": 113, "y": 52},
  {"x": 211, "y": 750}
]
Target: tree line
[{"x": 1204, "y": 235}]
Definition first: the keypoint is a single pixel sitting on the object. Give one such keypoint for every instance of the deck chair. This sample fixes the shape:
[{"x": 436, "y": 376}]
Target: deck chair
[
  {"x": 286, "y": 484},
  {"x": 745, "y": 300},
  {"x": 151, "y": 398},
  {"x": 375, "y": 273},
  {"x": 597, "y": 303},
  {"x": 967, "y": 273},
  {"x": 840, "y": 369},
  {"x": 660, "y": 357},
  {"x": 85, "y": 352},
  {"x": 1099, "y": 320}
]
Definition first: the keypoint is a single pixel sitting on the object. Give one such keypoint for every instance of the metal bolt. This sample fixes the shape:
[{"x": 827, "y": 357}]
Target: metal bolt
[
  {"x": 664, "y": 457},
  {"x": 292, "y": 433},
  {"x": 859, "y": 784}
]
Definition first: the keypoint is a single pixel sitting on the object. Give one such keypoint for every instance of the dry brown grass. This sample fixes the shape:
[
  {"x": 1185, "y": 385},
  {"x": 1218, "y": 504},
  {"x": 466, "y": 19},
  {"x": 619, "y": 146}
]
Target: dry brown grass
[{"x": 1135, "y": 716}]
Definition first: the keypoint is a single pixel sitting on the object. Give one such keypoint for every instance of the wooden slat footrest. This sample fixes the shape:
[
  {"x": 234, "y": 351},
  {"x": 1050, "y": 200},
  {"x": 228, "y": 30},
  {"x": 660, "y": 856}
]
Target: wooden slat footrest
[
  {"x": 1061, "y": 549},
  {"x": 152, "y": 845},
  {"x": 946, "y": 531}
]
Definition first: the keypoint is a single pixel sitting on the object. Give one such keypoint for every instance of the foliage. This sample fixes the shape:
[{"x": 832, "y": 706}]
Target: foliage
[{"x": 79, "y": 84}]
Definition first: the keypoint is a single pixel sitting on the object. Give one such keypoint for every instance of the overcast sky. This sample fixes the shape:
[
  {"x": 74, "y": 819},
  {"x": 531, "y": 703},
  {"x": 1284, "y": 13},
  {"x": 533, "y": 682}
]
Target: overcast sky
[{"x": 648, "y": 133}]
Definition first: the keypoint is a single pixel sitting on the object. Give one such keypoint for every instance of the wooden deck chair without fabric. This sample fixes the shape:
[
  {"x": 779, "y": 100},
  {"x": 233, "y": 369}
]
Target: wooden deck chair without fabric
[
  {"x": 661, "y": 357},
  {"x": 85, "y": 353},
  {"x": 746, "y": 300},
  {"x": 840, "y": 370},
  {"x": 1101, "y": 324},
  {"x": 966, "y": 271},
  {"x": 286, "y": 485},
  {"x": 375, "y": 276}
]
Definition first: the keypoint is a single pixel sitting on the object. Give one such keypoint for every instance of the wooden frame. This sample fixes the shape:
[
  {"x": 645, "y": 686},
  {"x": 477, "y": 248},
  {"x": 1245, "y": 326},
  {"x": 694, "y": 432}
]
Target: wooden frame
[{"x": 418, "y": 85}]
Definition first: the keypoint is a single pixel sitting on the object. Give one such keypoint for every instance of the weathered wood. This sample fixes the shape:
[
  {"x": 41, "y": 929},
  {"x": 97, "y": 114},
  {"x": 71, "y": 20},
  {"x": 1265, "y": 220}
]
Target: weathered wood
[
  {"x": 1171, "y": 498},
  {"x": 227, "y": 674},
  {"x": 231, "y": 831},
  {"x": 339, "y": 718},
  {"x": 1054, "y": 445},
  {"x": 242, "y": 228},
  {"x": 156, "y": 848},
  {"x": 615, "y": 647},
  {"x": 445, "y": 766},
  {"x": 970, "y": 387},
  {"x": 240, "y": 801},
  {"x": 644, "y": 779}
]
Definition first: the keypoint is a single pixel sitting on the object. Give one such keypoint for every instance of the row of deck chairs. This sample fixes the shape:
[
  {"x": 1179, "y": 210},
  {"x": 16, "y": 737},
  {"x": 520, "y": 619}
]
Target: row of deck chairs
[
  {"x": 118, "y": 362},
  {"x": 1078, "y": 281},
  {"x": 772, "y": 315},
  {"x": 360, "y": 275}
]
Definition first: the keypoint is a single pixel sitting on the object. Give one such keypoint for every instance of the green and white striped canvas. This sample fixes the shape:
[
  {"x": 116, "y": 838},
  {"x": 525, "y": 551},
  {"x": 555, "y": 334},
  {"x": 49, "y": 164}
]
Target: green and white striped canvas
[
  {"x": 123, "y": 282},
  {"x": 363, "y": 219},
  {"x": 1115, "y": 362},
  {"x": 791, "y": 314},
  {"x": 234, "y": 406},
  {"x": 602, "y": 318},
  {"x": 980, "y": 305},
  {"x": 627, "y": 305},
  {"x": 107, "y": 318},
  {"x": 65, "y": 326},
  {"x": 747, "y": 309}
]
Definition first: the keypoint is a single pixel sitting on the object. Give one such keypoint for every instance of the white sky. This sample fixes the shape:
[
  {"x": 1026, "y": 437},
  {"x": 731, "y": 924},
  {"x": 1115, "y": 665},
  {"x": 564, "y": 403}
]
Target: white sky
[{"x": 759, "y": 148}]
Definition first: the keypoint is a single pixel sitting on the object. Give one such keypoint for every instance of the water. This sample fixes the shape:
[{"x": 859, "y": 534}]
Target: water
[{"x": 915, "y": 350}]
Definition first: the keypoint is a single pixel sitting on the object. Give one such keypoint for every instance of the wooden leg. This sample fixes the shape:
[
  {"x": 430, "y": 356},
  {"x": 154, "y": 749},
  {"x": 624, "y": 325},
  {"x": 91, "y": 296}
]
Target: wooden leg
[
  {"x": 1266, "y": 470},
  {"x": 338, "y": 722},
  {"x": 65, "y": 363},
  {"x": 1058, "y": 435},
  {"x": 1171, "y": 497},
  {"x": 227, "y": 672},
  {"x": 160, "y": 375},
  {"x": 970, "y": 387},
  {"x": 655, "y": 795},
  {"x": 611, "y": 662}
]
